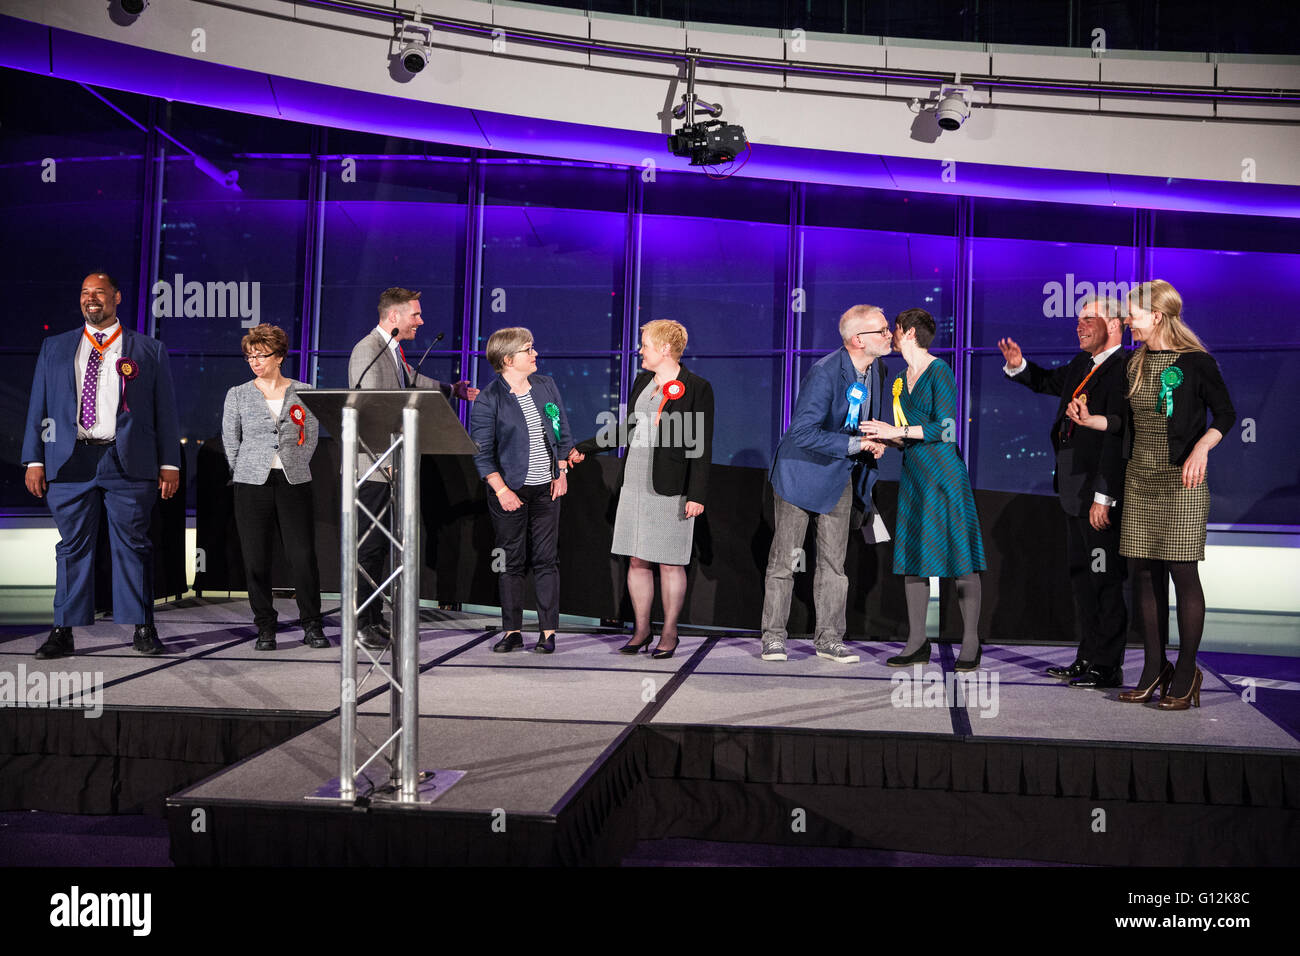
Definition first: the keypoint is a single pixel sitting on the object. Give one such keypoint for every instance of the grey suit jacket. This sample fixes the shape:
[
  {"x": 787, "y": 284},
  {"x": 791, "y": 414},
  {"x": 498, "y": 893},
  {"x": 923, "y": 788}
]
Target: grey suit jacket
[
  {"x": 382, "y": 374},
  {"x": 252, "y": 438}
]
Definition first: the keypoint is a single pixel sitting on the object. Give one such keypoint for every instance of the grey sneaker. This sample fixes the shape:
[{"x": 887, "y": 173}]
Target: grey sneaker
[
  {"x": 837, "y": 652},
  {"x": 774, "y": 648}
]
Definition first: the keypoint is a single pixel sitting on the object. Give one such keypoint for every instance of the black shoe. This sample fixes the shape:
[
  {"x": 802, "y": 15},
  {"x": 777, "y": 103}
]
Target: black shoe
[
  {"x": 974, "y": 665},
  {"x": 146, "y": 640},
  {"x": 662, "y": 654},
  {"x": 314, "y": 636},
  {"x": 919, "y": 656},
  {"x": 1077, "y": 669},
  {"x": 265, "y": 638},
  {"x": 373, "y": 637},
  {"x": 630, "y": 648},
  {"x": 1099, "y": 675},
  {"x": 58, "y": 644},
  {"x": 544, "y": 645},
  {"x": 510, "y": 642}
]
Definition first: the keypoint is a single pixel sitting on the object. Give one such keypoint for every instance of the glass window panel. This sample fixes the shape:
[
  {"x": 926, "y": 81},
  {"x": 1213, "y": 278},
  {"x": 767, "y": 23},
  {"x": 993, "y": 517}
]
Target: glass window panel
[
  {"x": 879, "y": 209},
  {"x": 1014, "y": 219},
  {"x": 1010, "y": 446},
  {"x": 1191, "y": 230},
  {"x": 1029, "y": 290},
  {"x": 1257, "y": 481},
  {"x": 555, "y": 184},
  {"x": 724, "y": 280},
  {"x": 1231, "y": 298},
  {"x": 373, "y": 246},
  {"x": 558, "y": 272},
  {"x": 69, "y": 167},
  {"x": 747, "y": 407},
  {"x": 695, "y": 195},
  {"x": 413, "y": 179},
  {"x": 845, "y": 267}
]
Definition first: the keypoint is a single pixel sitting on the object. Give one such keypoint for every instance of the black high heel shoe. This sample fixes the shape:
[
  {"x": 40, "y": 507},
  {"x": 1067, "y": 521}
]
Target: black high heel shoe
[
  {"x": 630, "y": 648},
  {"x": 972, "y": 665},
  {"x": 660, "y": 654}
]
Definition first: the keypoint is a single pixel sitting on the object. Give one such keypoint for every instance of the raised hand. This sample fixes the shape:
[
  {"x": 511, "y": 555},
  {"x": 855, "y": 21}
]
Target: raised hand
[{"x": 1011, "y": 352}]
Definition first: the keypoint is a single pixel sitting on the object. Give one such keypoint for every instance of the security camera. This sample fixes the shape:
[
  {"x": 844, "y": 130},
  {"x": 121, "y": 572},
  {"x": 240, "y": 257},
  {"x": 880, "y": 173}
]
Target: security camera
[
  {"x": 133, "y": 8},
  {"x": 414, "y": 57},
  {"x": 416, "y": 44},
  {"x": 954, "y": 105}
]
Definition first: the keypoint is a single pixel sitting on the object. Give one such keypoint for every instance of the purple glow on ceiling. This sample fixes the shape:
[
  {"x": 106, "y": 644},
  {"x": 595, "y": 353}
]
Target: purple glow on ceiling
[{"x": 103, "y": 63}]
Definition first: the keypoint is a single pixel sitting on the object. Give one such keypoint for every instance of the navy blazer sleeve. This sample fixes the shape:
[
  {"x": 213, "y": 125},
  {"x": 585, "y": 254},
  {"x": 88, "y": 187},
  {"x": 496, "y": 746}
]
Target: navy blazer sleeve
[
  {"x": 37, "y": 412},
  {"x": 815, "y": 399},
  {"x": 483, "y": 430}
]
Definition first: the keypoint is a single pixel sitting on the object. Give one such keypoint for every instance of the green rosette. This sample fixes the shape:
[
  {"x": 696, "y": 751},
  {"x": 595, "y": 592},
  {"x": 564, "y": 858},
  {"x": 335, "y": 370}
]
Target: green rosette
[
  {"x": 1170, "y": 379},
  {"x": 553, "y": 413}
]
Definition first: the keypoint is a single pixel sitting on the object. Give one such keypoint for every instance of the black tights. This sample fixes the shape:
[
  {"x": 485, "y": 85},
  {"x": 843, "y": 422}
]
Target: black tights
[{"x": 1191, "y": 619}]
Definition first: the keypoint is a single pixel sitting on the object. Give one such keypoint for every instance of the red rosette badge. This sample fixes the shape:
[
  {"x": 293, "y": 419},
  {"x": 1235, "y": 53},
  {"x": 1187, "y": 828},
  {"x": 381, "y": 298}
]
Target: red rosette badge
[
  {"x": 128, "y": 371},
  {"x": 672, "y": 391},
  {"x": 298, "y": 415}
]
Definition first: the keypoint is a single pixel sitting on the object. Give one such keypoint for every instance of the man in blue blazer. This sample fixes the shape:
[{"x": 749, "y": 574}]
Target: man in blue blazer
[
  {"x": 822, "y": 468},
  {"x": 102, "y": 427}
]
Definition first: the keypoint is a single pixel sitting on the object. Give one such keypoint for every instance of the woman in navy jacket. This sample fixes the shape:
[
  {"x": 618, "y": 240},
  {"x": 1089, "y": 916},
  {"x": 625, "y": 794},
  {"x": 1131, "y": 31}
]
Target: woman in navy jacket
[
  {"x": 1174, "y": 383},
  {"x": 269, "y": 438},
  {"x": 523, "y": 438}
]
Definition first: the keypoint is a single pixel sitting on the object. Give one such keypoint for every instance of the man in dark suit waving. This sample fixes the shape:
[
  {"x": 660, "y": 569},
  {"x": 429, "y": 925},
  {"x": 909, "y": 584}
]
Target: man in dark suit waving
[
  {"x": 102, "y": 427},
  {"x": 399, "y": 318},
  {"x": 1089, "y": 480}
]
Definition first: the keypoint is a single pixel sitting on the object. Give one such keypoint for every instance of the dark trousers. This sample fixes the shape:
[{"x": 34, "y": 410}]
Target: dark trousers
[
  {"x": 259, "y": 510},
  {"x": 1097, "y": 573},
  {"x": 372, "y": 551},
  {"x": 531, "y": 531},
  {"x": 93, "y": 475}
]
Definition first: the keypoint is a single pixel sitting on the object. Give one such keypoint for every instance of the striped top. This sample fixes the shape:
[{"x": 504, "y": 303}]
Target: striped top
[{"x": 539, "y": 459}]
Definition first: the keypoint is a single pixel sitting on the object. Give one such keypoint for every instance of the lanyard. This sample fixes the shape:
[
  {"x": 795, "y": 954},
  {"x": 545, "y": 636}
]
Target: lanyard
[{"x": 101, "y": 348}]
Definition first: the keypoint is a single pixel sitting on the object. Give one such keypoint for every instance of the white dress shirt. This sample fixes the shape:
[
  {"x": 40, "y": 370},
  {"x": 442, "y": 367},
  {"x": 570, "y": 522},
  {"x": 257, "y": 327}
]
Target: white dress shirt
[{"x": 110, "y": 383}]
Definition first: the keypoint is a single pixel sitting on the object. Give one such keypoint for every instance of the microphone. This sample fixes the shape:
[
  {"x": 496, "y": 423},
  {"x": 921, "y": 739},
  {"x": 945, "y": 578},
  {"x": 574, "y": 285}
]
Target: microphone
[
  {"x": 416, "y": 374},
  {"x": 362, "y": 377}
]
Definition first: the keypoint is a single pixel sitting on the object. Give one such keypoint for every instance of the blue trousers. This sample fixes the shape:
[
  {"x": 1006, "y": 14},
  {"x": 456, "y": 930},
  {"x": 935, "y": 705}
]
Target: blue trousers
[{"x": 93, "y": 475}]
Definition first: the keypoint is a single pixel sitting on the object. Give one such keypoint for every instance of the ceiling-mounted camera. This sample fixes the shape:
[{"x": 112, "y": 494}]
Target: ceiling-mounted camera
[{"x": 711, "y": 142}]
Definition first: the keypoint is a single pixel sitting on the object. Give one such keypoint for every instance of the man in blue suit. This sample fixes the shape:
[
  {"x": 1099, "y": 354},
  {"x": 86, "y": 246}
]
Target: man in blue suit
[
  {"x": 102, "y": 427},
  {"x": 822, "y": 468}
]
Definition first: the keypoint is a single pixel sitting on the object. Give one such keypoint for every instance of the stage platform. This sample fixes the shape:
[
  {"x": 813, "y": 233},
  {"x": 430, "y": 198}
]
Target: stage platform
[{"x": 572, "y": 758}]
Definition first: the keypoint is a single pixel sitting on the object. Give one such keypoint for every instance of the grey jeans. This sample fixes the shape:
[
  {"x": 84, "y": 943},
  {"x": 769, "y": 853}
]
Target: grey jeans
[{"x": 830, "y": 585}]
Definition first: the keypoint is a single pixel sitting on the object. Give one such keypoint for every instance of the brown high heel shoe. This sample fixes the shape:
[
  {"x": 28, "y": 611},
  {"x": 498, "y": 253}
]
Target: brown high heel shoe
[
  {"x": 1140, "y": 695},
  {"x": 1193, "y": 697}
]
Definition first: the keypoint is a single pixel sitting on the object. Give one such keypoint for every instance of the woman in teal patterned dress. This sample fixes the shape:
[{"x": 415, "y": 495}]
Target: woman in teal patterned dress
[{"x": 937, "y": 533}]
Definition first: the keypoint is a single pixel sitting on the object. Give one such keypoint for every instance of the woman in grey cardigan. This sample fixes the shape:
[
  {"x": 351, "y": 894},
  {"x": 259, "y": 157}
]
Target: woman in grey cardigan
[{"x": 269, "y": 438}]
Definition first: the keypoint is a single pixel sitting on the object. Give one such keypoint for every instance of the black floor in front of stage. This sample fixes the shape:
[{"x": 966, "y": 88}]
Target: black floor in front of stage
[{"x": 578, "y": 757}]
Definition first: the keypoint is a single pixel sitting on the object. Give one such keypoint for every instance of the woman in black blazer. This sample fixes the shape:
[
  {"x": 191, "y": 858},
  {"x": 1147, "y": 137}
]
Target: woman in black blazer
[
  {"x": 523, "y": 437},
  {"x": 1173, "y": 383},
  {"x": 269, "y": 438},
  {"x": 669, "y": 437}
]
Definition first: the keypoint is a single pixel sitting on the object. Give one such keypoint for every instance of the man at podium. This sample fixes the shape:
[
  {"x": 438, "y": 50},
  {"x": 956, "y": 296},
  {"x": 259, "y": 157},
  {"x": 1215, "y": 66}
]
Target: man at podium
[{"x": 399, "y": 317}]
